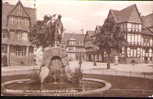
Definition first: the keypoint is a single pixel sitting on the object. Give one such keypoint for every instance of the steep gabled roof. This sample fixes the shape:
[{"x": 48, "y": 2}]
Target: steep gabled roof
[
  {"x": 129, "y": 14},
  {"x": 19, "y": 10},
  {"x": 7, "y": 9},
  {"x": 89, "y": 38},
  {"x": 148, "y": 20},
  {"x": 77, "y": 37},
  {"x": 115, "y": 14},
  {"x": 147, "y": 31}
]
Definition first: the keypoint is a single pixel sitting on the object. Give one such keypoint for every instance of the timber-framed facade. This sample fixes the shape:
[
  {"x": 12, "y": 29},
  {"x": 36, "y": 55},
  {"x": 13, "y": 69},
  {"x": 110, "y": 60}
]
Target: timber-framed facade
[
  {"x": 137, "y": 30},
  {"x": 16, "y": 23}
]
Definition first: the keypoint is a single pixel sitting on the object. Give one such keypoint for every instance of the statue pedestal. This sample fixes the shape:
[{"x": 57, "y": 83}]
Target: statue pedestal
[{"x": 55, "y": 61}]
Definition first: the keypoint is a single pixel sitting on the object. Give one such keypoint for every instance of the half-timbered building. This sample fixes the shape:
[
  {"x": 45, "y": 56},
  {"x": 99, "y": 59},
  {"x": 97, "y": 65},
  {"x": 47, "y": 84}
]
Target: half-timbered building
[
  {"x": 16, "y": 23},
  {"x": 91, "y": 50},
  {"x": 137, "y": 31},
  {"x": 74, "y": 45}
]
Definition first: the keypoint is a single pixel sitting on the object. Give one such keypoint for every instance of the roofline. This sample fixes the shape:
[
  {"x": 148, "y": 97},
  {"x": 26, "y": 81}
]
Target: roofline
[
  {"x": 111, "y": 11},
  {"x": 129, "y": 6},
  {"x": 147, "y": 15},
  {"x": 19, "y": 2}
]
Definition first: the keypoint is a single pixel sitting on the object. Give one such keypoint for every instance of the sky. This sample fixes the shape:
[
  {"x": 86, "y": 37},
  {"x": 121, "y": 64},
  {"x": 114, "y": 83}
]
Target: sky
[{"x": 77, "y": 15}]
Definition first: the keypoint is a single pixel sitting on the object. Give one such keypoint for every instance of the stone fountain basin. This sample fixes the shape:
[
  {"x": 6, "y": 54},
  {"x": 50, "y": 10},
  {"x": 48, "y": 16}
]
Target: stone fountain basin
[{"x": 90, "y": 86}]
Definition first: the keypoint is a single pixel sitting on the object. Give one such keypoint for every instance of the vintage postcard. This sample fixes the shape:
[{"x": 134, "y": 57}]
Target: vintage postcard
[{"x": 77, "y": 48}]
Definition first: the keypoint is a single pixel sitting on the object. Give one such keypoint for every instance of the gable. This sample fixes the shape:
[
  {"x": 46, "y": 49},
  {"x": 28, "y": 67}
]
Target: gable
[
  {"x": 19, "y": 10},
  {"x": 7, "y": 10},
  {"x": 112, "y": 17},
  {"x": 148, "y": 20},
  {"x": 78, "y": 37},
  {"x": 134, "y": 16},
  {"x": 129, "y": 14}
]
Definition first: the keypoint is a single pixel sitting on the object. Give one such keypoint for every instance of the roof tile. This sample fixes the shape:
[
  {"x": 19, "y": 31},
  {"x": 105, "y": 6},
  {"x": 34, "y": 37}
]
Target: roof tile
[{"x": 129, "y": 14}]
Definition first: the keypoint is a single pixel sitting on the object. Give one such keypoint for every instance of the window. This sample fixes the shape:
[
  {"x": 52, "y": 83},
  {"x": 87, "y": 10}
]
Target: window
[
  {"x": 137, "y": 27},
  {"x": 125, "y": 28},
  {"x": 4, "y": 34},
  {"x": 128, "y": 52},
  {"x": 19, "y": 36},
  {"x": 31, "y": 50},
  {"x": 17, "y": 20},
  {"x": 4, "y": 48},
  {"x": 131, "y": 52},
  {"x": 129, "y": 27},
  {"x": 12, "y": 20},
  {"x": 139, "y": 39},
  {"x": 123, "y": 51},
  {"x": 72, "y": 43},
  {"x": 150, "y": 52},
  {"x": 25, "y": 36},
  {"x": 138, "y": 52},
  {"x": 129, "y": 38},
  {"x": 121, "y": 26},
  {"x": 20, "y": 51},
  {"x": 140, "y": 28},
  {"x": 22, "y": 36},
  {"x": 26, "y": 22},
  {"x": 70, "y": 49},
  {"x": 133, "y": 38},
  {"x": 132, "y": 27},
  {"x": 20, "y": 21}
]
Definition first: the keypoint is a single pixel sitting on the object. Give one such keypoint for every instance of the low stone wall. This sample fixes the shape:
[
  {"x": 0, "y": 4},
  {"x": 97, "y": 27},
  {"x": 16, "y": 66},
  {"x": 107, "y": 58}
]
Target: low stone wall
[{"x": 41, "y": 93}]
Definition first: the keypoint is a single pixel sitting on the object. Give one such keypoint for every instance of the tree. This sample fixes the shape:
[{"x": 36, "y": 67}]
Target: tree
[
  {"x": 110, "y": 38},
  {"x": 37, "y": 32},
  {"x": 47, "y": 32}
]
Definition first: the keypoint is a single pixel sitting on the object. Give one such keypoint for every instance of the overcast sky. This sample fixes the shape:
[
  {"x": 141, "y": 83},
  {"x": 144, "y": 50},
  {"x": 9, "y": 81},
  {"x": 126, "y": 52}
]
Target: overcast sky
[{"x": 77, "y": 15}]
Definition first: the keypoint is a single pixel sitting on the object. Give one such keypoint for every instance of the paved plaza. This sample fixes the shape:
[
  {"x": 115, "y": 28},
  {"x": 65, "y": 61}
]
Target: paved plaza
[
  {"x": 139, "y": 68},
  {"x": 120, "y": 72},
  {"x": 88, "y": 67}
]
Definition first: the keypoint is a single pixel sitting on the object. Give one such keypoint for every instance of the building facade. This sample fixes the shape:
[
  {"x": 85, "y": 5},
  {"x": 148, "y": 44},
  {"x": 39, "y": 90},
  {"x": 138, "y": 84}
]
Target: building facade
[
  {"x": 74, "y": 45},
  {"x": 137, "y": 33},
  {"x": 16, "y": 23}
]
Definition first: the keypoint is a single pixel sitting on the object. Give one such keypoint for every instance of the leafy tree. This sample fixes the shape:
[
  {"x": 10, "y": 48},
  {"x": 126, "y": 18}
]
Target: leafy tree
[
  {"x": 44, "y": 33},
  {"x": 37, "y": 34},
  {"x": 110, "y": 38}
]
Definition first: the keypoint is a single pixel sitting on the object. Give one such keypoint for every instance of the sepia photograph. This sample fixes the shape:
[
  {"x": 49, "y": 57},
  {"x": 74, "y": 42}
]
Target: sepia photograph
[{"x": 77, "y": 48}]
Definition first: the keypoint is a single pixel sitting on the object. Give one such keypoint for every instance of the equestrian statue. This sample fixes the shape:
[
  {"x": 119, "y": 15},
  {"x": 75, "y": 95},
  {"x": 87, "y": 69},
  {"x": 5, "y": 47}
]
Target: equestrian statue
[{"x": 53, "y": 60}]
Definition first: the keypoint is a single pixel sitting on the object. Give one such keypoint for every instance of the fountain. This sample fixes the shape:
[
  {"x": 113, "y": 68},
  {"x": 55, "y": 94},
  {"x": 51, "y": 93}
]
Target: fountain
[{"x": 55, "y": 77}]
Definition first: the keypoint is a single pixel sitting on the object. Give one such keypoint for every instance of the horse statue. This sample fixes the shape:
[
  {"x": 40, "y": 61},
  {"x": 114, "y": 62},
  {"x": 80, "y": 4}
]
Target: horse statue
[
  {"x": 52, "y": 58},
  {"x": 54, "y": 29}
]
